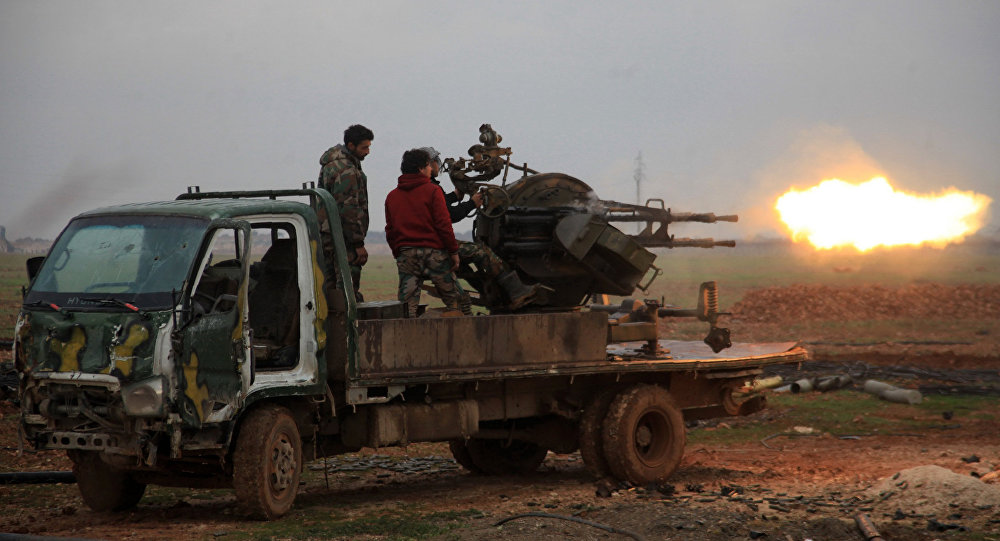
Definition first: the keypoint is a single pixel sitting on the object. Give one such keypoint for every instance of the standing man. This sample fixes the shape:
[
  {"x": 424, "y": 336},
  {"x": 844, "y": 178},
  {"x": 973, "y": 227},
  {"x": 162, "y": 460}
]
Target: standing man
[
  {"x": 418, "y": 229},
  {"x": 341, "y": 175},
  {"x": 492, "y": 267}
]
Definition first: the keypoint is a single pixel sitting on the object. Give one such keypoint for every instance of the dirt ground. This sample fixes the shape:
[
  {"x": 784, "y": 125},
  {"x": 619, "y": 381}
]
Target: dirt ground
[{"x": 791, "y": 486}]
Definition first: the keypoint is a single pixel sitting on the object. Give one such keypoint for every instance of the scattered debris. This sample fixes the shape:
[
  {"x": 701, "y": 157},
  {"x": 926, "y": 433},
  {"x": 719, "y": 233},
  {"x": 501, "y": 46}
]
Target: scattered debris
[
  {"x": 422, "y": 464},
  {"x": 578, "y": 520},
  {"x": 764, "y": 440},
  {"x": 936, "y": 526}
]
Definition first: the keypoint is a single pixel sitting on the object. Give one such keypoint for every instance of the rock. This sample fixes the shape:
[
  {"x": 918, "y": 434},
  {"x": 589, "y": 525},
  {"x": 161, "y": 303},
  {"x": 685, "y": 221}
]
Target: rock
[{"x": 932, "y": 490}]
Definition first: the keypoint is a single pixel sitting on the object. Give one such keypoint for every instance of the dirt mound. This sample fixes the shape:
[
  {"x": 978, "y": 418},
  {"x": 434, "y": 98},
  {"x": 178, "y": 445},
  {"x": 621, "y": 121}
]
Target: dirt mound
[
  {"x": 868, "y": 302},
  {"x": 934, "y": 491}
]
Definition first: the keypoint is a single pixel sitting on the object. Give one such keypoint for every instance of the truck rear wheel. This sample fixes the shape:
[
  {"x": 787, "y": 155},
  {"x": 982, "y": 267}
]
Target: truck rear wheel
[
  {"x": 643, "y": 435},
  {"x": 591, "y": 422},
  {"x": 499, "y": 457},
  {"x": 103, "y": 487},
  {"x": 267, "y": 462},
  {"x": 460, "y": 450}
]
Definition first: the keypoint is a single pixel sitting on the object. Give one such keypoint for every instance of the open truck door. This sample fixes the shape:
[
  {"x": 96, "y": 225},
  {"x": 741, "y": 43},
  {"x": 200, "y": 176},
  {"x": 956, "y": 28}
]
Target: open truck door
[{"x": 212, "y": 344}]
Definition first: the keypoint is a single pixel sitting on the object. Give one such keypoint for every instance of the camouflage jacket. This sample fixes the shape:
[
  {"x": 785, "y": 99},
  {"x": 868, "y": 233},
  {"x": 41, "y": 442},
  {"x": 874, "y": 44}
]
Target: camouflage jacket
[{"x": 342, "y": 176}]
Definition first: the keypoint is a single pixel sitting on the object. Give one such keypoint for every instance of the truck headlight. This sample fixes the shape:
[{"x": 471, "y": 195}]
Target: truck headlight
[{"x": 144, "y": 398}]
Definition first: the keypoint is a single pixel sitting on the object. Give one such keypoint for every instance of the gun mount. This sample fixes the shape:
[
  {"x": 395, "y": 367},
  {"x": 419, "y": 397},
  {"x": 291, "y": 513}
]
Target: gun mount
[{"x": 554, "y": 230}]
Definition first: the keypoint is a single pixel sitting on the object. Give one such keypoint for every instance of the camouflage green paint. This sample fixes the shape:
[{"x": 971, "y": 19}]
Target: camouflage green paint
[
  {"x": 209, "y": 367},
  {"x": 67, "y": 347},
  {"x": 122, "y": 351},
  {"x": 321, "y": 308},
  {"x": 418, "y": 264},
  {"x": 341, "y": 175},
  {"x": 116, "y": 343},
  {"x": 195, "y": 393},
  {"x": 24, "y": 343}
]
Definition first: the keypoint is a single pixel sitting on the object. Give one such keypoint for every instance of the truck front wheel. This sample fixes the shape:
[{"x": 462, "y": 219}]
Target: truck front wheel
[
  {"x": 643, "y": 435},
  {"x": 267, "y": 462},
  {"x": 103, "y": 487},
  {"x": 499, "y": 457}
]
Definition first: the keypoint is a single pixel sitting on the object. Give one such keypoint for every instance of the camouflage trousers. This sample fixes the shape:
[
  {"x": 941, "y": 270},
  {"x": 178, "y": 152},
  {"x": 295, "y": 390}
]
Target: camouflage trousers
[
  {"x": 418, "y": 264},
  {"x": 326, "y": 238},
  {"x": 353, "y": 269},
  {"x": 482, "y": 257},
  {"x": 487, "y": 267}
]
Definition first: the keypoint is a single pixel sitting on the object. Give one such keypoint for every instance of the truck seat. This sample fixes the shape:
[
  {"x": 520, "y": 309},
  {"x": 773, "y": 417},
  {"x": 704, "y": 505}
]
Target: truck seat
[{"x": 274, "y": 306}]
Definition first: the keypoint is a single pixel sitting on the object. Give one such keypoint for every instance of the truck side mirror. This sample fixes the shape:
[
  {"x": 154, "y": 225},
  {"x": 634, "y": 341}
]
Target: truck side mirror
[{"x": 34, "y": 264}]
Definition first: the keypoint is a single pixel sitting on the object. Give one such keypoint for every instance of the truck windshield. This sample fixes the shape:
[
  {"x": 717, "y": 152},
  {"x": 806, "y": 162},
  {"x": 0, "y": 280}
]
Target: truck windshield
[{"x": 138, "y": 259}]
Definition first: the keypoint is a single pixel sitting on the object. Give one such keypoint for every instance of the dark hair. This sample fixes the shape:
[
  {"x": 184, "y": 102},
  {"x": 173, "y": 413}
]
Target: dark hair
[
  {"x": 414, "y": 160},
  {"x": 357, "y": 133}
]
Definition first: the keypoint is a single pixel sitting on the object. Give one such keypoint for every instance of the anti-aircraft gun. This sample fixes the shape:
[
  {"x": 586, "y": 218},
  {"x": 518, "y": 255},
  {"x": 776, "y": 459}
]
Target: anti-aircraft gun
[{"x": 554, "y": 230}]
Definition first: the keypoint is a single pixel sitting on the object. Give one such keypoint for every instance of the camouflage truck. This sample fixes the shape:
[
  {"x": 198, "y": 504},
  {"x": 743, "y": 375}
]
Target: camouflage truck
[{"x": 209, "y": 342}]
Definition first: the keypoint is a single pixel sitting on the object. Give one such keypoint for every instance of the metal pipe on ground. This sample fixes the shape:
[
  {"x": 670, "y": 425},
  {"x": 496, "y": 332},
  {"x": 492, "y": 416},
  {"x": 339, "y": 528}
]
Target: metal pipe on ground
[
  {"x": 830, "y": 383},
  {"x": 867, "y": 527},
  {"x": 876, "y": 387},
  {"x": 766, "y": 383},
  {"x": 902, "y": 396},
  {"x": 36, "y": 477},
  {"x": 892, "y": 393},
  {"x": 802, "y": 386}
]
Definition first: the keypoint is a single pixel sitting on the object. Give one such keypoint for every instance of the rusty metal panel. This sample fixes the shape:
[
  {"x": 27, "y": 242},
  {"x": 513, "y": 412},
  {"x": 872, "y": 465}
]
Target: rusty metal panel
[
  {"x": 630, "y": 332},
  {"x": 402, "y": 423},
  {"x": 396, "y": 348}
]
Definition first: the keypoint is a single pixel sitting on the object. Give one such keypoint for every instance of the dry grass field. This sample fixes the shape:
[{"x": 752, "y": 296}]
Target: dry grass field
[{"x": 803, "y": 468}]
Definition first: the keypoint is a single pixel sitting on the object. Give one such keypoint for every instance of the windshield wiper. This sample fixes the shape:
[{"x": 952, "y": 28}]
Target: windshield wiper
[
  {"x": 51, "y": 306},
  {"x": 111, "y": 301}
]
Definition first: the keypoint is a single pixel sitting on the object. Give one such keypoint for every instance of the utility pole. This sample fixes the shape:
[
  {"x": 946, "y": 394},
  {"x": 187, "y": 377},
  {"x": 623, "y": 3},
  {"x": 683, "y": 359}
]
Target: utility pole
[{"x": 639, "y": 174}]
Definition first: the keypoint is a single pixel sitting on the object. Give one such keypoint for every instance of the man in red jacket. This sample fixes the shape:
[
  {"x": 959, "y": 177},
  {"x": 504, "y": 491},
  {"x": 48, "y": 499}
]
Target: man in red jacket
[{"x": 418, "y": 229}]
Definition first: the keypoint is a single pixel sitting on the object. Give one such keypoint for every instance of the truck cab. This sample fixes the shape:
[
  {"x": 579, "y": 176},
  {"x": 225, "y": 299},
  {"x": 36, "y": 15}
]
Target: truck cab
[{"x": 150, "y": 328}]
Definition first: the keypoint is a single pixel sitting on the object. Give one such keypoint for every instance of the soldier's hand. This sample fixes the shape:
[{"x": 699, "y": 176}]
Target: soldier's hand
[
  {"x": 362, "y": 256},
  {"x": 454, "y": 262},
  {"x": 477, "y": 198}
]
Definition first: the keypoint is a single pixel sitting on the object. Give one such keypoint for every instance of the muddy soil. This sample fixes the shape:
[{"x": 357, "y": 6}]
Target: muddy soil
[
  {"x": 802, "y": 487},
  {"x": 790, "y": 486}
]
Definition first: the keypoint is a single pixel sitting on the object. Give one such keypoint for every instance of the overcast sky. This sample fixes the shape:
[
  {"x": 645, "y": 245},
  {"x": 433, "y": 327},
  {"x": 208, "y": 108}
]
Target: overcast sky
[{"x": 730, "y": 103}]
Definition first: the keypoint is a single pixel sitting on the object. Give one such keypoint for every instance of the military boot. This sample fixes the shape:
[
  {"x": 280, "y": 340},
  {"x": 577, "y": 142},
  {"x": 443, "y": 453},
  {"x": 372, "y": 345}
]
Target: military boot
[
  {"x": 519, "y": 293},
  {"x": 465, "y": 303}
]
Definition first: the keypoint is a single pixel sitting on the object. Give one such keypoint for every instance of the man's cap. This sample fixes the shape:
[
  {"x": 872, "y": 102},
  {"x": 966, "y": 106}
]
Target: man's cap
[{"x": 434, "y": 154}]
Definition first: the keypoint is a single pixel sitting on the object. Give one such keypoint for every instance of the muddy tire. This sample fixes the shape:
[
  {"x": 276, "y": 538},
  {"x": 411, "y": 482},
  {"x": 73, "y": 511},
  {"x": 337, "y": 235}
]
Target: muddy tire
[
  {"x": 591, "y": 423},
  {"x": 643, "y": 435},
  {"x": 497, "y": 457},
  {"x": 103, "y": 487},
  {"x": 460, "y": 450},
  {"x": 267, "y": 462}
]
